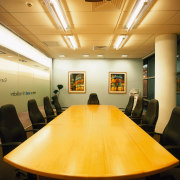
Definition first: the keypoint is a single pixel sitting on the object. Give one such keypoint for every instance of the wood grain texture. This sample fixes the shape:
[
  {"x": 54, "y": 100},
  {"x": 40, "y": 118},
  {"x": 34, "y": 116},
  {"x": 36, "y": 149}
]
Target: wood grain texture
[{"x": 91, "y": 141}]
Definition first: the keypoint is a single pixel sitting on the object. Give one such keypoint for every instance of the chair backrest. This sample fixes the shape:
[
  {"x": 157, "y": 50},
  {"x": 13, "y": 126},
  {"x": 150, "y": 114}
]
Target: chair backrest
[
  {"x": 129, "y": 106},
  {"x": 57, "y": 105},
  {"x": 47, "y": 107},
  {"x": 171, "y": 133},
  {"x": 34, "y": 113},
  {"x": 11, "y": 129},
  {"x": 137, "y": 112},
  {"x": 93, "y": 99},
  {"x": 151, "y": 115}
]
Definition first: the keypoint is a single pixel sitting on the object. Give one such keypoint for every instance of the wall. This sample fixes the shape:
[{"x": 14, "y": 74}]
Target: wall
[
  {"x": 19, "y": 82},
  {"x": 96, "y": 79}
]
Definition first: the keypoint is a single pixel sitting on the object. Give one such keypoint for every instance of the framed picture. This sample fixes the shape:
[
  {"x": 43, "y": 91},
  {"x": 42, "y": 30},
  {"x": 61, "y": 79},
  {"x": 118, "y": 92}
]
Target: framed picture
[
  {"x": 178, "y": 82},
  {"x": 77, "y": 82},
  {"x": 117, "y": 82}
]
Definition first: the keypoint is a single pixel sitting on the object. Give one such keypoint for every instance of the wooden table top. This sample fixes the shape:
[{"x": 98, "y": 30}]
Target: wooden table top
[{"x": 91, "y": 141}]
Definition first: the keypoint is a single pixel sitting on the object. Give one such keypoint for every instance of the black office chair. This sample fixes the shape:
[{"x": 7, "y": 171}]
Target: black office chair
[
  {"x": 150, "y": 117},
  {"x": 12, "y": 134},
  {"x": 36, "y": 117},
  {"x": 129, "y": 106},
  {"x": 93, "y": 99},
  {"x": 48, "y": 109},
  {"x": 170, "y": 137},
  {"x": 57, "y": 105},
  {"x": 137, "y": 112}
]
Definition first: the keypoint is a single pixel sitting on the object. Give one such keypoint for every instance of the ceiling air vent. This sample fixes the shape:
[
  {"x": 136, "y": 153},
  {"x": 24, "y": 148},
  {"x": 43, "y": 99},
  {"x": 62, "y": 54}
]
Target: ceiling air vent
[
  {"x": 22, "y": 60},
  {"x": 100, "y": 48}
]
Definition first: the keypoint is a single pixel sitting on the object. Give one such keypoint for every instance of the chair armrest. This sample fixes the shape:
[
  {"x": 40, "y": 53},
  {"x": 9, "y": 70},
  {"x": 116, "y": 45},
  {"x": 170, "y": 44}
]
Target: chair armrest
[
  {"x": 32, "y": 130},
  {"x": 154, "y": 133},
  {"x": 136, "y": 120},
  {"x": 39, "y": 124},
  {"x": 147, "y": 127},
  {"x": 11, "y": 144},
  {"x": 64, "y": 107},
  {"x": 122, "y": 109}
]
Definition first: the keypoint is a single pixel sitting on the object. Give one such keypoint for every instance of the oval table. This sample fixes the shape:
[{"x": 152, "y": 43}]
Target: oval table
[{"x": 94, "y": 142}]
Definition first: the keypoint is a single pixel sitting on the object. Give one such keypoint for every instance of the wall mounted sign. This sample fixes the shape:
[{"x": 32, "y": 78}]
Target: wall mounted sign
[
  {"x": 117, "y": 82},
  {"x": 77, "y": 82}
]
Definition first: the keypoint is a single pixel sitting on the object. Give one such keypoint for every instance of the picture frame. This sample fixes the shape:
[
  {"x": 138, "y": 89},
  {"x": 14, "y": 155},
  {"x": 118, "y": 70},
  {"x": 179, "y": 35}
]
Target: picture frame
[
  {"x": 117, "y": 82},
  {"x": 77, "y": 82},
  {"x": 178, "y": 82}
]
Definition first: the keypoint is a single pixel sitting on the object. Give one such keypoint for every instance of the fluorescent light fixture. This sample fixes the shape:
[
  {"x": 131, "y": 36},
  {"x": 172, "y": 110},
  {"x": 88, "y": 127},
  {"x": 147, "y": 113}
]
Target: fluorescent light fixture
[
  {"x": 99, "y": 55},
  {"x": 61, "y": 56},
  {"x": 85, "y": 55},
  {"x": 18, "y": 45},
  {"x": 138, "y": 11},
  {"x": 71, "y": 41},
  {"x": 10, "y": 56},
  {"x": 124, "y": 56},
  {"x": 57, "y": 11},
  {"x": 120, "y": 41}
]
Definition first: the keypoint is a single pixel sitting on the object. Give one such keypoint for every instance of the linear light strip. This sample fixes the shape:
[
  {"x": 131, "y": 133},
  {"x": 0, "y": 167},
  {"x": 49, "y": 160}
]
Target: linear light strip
[
  {"x": 120, "y": 41},
  {"x": 71, "y": 42},
  {"x": 16, "y": 44},
  {"x": 57, "y": 11},
  {"x": 138, "y": 11}
]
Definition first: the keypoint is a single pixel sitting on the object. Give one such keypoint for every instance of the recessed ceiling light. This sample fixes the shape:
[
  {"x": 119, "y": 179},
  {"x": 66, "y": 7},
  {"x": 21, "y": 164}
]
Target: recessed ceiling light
[
  {"x": 61, "y": 56},
  {"x": 99, "y": 55},
  {"x": 29, "y": 4},
  {"x": 124, "y": 55},
  {"x": 85, "y": 55}
]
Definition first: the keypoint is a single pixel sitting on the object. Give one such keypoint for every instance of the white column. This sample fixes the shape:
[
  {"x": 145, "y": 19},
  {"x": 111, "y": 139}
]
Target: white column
[{"x": 165, "y": 77}]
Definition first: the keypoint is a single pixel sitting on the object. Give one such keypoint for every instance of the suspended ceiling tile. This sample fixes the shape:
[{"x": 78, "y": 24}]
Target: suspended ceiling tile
[
  {"x": 2, "y": 9},
  {"x": 97, "y": 18},
  {"x": 140, "y": 37},
  {"x": 96, "y": 37},
  {"x": 166, "y": 5},
  {"x": 20, "y": 6},
  {"x": 94, "y": 29},
  {"x": 79, "y": 5},
  {"x": 50, "y": 37},
  {"x": 50, "y": 29},
  {"x": 158, "y": 17},
  {"x": 158, "y": 29},
  {"x": 175, "y": 19},
  {"x": 32, "y": 18},
  {"x": 8, "y": 19},
  {"x": 23, "y": 30},
  {"x": 90, "y": 44}
]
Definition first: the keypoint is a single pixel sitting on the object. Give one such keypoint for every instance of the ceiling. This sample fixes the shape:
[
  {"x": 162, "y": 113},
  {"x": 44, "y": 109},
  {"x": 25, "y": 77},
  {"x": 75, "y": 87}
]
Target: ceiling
[{"x": 93, "y": 24}]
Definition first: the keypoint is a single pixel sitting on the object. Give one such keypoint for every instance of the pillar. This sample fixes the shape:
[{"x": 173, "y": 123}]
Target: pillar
[{"x": 165, "y": 77}]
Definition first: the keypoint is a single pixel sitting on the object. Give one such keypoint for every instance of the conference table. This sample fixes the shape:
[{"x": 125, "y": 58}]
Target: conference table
[{"x": 91, "y": 142}]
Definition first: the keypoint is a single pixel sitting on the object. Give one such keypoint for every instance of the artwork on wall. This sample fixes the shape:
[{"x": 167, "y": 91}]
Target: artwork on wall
[
  {"x": 77, "y": 82},
  {"x": 117, "y": 82},
  {"x": 178, "y": 82}
]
